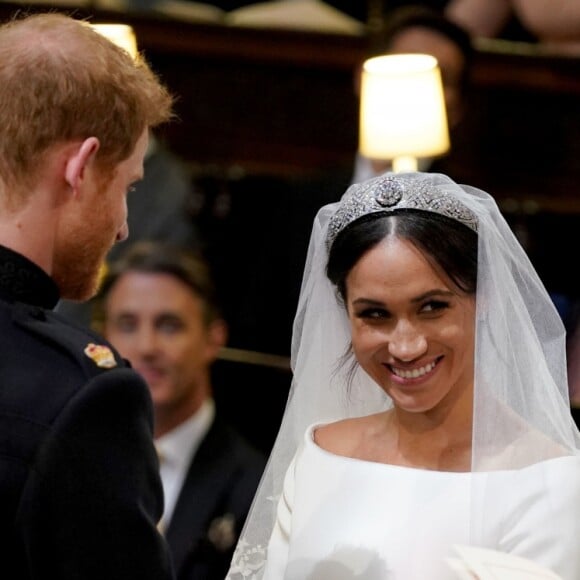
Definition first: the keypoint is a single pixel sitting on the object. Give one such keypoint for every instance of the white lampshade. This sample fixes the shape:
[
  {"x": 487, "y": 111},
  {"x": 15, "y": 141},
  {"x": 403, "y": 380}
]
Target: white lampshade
[
  {"x": 121, "y": 34},
  {"x": 402, "y": 109}
]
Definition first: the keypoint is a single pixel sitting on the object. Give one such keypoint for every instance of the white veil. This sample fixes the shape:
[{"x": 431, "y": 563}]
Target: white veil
[{"x": 521, "y": 403}]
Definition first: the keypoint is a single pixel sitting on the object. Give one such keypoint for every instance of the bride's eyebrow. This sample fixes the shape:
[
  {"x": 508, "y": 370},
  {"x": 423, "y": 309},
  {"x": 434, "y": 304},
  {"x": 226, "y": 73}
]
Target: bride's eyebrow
[
  {"x": 435, "y": 293},
  {"x": 368, "y": 302}
]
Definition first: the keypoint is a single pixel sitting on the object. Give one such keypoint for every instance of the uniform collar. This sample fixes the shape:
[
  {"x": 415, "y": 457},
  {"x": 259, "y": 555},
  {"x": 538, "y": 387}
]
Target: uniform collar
[{"x": 23, "y": 281}]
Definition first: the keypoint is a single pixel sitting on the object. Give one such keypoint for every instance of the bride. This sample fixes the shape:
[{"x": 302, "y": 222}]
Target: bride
[{"x": 429, "y": 406}]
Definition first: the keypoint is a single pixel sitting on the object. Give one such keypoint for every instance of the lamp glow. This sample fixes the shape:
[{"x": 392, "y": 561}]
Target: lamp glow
[
  {"x": 402, "y": 110},
  {"x": 120, "y": 34}
]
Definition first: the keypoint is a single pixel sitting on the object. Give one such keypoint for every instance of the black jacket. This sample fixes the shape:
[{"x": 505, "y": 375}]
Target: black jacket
[
  {"x": 213, "y": 504},
  {"x": 80, "y": 493}
]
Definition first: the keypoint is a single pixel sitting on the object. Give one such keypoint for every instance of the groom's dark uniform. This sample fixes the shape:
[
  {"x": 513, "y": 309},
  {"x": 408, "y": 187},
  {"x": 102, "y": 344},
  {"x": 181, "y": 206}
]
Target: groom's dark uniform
[{"x": 80, "y": 494}]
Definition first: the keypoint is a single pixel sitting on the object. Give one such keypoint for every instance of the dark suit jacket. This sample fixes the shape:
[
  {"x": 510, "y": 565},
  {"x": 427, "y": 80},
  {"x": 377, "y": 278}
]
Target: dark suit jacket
[
  {"x": 80, "y": 493},
  {"x": 213, "y": 504}
]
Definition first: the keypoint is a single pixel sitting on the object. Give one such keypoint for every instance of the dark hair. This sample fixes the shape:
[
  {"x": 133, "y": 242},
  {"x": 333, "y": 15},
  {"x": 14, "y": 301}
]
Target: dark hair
[
  {"x": 417, "y": 15},
  {"x": 447, "y": 243},
  {"x": 162, "y": 258}
]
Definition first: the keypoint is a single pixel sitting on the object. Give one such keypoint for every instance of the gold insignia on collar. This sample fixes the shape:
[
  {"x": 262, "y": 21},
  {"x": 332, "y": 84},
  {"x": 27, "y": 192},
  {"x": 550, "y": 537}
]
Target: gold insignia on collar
[{"x": 102, "y": 355}]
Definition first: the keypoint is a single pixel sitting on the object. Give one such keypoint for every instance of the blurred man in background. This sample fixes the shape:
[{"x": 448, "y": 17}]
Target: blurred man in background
[{"x": 158, "y": 307}]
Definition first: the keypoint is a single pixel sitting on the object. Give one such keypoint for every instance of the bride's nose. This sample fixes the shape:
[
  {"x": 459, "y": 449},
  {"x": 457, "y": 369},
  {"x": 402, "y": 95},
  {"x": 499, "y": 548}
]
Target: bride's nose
[{"x": 406, "y": 342}]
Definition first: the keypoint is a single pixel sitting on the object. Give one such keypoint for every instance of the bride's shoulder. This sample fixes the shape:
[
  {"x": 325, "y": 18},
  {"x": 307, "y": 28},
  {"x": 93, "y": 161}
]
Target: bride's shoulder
[{"x": 342, "y": 437}]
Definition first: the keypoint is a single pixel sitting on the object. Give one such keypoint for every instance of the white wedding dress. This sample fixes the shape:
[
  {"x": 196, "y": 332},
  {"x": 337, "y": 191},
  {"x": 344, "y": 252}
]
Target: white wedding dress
[{"x": 346, "y": 519}]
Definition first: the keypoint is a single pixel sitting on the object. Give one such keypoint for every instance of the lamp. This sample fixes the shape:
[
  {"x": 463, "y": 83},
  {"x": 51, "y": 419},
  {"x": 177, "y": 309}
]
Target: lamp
[
  {"x": 120, "y": 34},
  {"x": 402, "y": 110}
]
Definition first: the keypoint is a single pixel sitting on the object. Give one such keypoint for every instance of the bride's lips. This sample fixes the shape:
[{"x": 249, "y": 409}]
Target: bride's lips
[{"x": 415, "y": 374}]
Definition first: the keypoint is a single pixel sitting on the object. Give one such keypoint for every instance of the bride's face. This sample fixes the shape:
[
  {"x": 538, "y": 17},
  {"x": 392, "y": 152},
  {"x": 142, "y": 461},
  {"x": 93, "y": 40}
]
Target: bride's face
[{"x": 412, "y": 329}]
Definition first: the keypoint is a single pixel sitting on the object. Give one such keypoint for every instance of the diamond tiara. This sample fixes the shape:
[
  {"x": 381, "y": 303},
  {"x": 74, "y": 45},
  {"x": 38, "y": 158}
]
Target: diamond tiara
[{"x": 389, "y": 192}]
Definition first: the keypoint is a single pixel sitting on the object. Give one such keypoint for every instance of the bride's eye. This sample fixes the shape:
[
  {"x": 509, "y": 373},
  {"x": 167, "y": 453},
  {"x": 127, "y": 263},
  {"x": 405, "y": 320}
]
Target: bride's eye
[
  {"x": 434, "y": 306},
  {"x": 373, "y": 313}
]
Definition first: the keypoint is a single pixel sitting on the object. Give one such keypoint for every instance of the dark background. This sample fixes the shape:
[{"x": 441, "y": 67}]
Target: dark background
[{"x": 267, "y": 124}]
